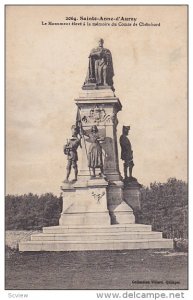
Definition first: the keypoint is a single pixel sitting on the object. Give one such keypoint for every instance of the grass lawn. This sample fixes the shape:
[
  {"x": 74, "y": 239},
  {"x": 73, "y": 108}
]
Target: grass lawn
[{"x": 96, "y": 270}]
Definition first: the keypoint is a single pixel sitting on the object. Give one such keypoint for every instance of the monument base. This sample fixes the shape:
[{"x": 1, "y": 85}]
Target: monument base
[
  {"x": 85, "y": 203},
  {"x": 132, "y": 194},
  {"x": 96, "y": 237},
  {"x": 94, "y": 217},
  {"x": 94, "y": 86}
]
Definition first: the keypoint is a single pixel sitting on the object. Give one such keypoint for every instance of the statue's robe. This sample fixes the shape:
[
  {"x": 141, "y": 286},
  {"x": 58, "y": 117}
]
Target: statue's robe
[{"x": 100, "y": 65}]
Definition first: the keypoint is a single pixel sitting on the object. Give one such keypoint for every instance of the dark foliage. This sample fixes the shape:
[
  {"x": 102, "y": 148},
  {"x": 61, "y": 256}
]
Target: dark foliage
[
  {"x": 31, "y": 211},
  {"x": 165, "y": 207}
]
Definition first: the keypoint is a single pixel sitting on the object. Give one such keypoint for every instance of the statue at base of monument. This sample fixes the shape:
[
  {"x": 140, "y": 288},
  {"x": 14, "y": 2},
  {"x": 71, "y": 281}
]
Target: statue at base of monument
[
  {"x": 95, "y": 151},
  {"x": 127, "y": 153},
  {"x": 70, "y": 149},
  {"x": 100, "y": 69}
]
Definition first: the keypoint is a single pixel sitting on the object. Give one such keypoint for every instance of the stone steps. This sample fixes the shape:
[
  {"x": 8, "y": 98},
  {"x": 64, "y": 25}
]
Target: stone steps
[
  {"x": 95, "y": 245},
  {"x": 97, "y": 228},
  {"x": 96, "y": 236}
]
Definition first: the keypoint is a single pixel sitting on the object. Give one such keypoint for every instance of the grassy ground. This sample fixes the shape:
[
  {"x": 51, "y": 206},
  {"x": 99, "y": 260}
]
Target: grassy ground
[{"x": 95, "y": 269}]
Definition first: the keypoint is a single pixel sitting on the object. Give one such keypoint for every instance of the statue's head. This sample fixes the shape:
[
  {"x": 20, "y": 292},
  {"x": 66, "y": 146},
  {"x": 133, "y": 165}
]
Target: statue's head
[
  {"x": 126, "y": 130},
  {"x": 94, "y": 128},
  {"x": 101, "y": 42}
]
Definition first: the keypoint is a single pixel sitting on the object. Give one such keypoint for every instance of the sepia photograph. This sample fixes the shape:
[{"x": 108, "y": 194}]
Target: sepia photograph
[{"x": 96, "y": 134}]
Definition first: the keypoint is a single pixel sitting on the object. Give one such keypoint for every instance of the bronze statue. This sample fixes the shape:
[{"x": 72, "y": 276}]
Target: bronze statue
[
  {"x": 95, "y": 151},
  {"x": 126, "y": 152},
  {"x": 100, "y": 69},
  {"x": 70, "y": 149}
]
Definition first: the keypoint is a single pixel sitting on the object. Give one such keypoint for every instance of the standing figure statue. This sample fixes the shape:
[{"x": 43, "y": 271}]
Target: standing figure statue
[
  {"x": 126, "y": 152},
  {"x": 95, "y": 151},
  {"x": 100, "y": 69},
  {"x": 70, "y": 149}
]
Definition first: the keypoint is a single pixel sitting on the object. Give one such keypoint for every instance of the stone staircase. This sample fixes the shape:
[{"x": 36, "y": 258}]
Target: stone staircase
[{"x": 96, "y": 237}]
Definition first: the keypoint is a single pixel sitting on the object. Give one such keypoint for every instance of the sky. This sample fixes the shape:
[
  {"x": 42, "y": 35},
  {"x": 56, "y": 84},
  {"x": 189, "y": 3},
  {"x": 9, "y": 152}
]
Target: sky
[{"x": 46, "y": 67}]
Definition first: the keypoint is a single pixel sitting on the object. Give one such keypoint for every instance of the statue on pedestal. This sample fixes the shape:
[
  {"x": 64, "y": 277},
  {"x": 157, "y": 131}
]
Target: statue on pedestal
[
  {"x": 95, "y": 151},
  {"x": 126, "y": 153},
  {"x": 70, "y": 149},
  {"x": 100, "y": 69}
]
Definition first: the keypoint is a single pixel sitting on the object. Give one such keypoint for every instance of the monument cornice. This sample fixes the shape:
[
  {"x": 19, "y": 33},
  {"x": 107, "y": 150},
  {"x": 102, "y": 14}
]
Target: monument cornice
[{"x": 111, "y": 100}]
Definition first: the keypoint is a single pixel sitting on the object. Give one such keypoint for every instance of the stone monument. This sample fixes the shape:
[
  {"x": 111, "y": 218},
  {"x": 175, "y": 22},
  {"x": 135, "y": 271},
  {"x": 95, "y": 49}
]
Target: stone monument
[{"x": 98, "y": 204}]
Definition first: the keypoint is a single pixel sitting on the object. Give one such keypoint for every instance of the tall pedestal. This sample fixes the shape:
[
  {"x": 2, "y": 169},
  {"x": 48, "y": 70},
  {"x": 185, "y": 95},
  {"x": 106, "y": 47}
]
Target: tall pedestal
[{"x": 132, "y": 194}]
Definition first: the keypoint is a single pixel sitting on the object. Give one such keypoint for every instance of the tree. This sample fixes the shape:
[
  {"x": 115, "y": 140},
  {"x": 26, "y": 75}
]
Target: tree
[{"x": 165, "y": 207}]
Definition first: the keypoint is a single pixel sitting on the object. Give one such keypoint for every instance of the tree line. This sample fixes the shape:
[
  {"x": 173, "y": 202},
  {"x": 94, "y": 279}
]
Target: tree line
[
  {"x": 165, "y": 207},
  {"x": 31, "y": 211}
]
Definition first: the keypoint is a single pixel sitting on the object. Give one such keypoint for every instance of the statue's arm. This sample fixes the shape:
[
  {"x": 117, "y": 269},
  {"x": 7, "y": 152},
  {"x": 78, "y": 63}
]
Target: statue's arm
[
  {"x": 85, "y": 133},
  {"x": 101, "y": 138},
  {"x": 82, "y": 131},
  {"x": 121, "y": 142},
  {"x": 95, "y": 53}
]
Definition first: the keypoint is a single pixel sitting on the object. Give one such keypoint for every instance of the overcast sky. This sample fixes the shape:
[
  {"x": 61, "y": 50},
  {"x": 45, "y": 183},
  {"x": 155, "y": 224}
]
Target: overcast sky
[{"x": 46, "y": 67}]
